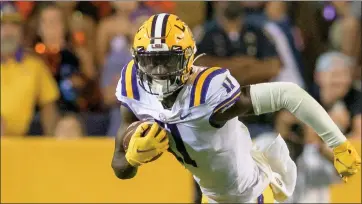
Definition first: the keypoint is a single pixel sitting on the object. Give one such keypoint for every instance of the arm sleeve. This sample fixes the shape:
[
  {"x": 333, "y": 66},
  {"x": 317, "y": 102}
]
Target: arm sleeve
[
  {"x": 271, "y": 97},
  {"x": 48, "y": 89}
]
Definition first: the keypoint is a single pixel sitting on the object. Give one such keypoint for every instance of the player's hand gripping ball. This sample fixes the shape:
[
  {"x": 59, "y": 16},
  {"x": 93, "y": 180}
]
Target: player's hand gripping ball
[{"x": 144, "y": 142}]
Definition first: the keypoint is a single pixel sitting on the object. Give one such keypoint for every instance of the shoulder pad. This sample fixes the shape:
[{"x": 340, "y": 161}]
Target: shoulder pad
[
  {"x": 201, "y": 84},
  {"x": 129, "y": 87}
]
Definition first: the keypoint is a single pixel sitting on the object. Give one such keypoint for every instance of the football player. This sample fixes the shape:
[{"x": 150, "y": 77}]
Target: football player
[{"x": 198, "y": 109}]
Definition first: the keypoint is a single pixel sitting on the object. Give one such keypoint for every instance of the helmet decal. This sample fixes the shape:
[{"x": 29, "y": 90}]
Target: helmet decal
[{"x": 158, "y": 29}]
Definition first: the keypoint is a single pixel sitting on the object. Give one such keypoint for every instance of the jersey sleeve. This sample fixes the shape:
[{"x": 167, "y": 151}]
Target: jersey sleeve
[
  {"x": 127, "y": 91},
  {"x": 223, "y": 93},
  {"x": 215, "y": 88}
]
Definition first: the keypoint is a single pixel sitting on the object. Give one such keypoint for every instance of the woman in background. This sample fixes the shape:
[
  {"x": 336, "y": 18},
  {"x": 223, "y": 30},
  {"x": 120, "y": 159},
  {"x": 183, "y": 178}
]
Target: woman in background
[
  {"x": 70, "y": 127},
  {"x": 346, "y": 30},
  {"x": 113, "y": 31},
  {"x": 69, "y": 66},
  {"x": 114, "y": 62}
]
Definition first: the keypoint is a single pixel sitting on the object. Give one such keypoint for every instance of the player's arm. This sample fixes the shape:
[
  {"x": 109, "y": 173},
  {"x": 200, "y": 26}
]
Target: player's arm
[
  {"x": 120, "y": 165},
  {"x": 270, "y": 97}
]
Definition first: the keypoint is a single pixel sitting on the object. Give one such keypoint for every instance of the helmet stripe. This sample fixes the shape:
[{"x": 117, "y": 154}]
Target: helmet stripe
[
  {"x": 158, "y": 28},
  {"x": 164, "y": 25},
  {"x": 153, "y": 28}
]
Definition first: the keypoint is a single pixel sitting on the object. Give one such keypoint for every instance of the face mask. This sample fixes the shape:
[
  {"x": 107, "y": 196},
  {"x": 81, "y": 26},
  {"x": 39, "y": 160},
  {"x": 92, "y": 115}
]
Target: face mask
[{"x": 161, "y": 87}]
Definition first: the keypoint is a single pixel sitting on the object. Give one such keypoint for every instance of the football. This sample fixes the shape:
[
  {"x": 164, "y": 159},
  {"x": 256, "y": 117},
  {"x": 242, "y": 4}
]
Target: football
[
  {"x": 129, "y": 132},
  {"x": 128, "y": 135}
]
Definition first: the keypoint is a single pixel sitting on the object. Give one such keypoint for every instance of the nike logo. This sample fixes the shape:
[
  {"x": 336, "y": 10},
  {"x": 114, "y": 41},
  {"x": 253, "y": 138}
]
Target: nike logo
[
  {"x": 185, "y": 116},
  {"x": 279, "y": 182},
  {"x": 143, "y": 151},
  {"x": 342, "y": 163}
]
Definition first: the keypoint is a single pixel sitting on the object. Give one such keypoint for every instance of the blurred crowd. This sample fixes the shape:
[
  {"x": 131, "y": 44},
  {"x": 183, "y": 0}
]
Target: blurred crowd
[{"x": 61, "y": 61}]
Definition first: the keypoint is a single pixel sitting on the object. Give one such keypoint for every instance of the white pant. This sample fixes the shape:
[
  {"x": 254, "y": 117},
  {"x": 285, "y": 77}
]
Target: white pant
[
  {"x": 272, "y": 158},
  {"x": 277, "y": 164}
]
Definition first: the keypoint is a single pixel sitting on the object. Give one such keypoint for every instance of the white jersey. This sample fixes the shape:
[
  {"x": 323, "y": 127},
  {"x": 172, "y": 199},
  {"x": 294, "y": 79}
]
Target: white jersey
[{"x": 218, "y": 157}]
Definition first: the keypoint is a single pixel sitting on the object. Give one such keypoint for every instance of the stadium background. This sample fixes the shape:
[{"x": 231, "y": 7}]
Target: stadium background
[{"x": 59, "y": 148}]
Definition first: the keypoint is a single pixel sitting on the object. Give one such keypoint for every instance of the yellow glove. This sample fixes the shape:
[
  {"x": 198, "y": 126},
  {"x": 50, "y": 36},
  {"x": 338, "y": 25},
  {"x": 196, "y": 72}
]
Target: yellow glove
[
  {"x": 346, "y": 160},
  {"x": 142, "y": 149}
]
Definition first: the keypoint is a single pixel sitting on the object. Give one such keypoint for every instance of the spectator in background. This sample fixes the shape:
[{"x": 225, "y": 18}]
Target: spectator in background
[
  {"x": 25, "y": 81},
  {"x": 334, "y": 86},
  {"x": 343, "y": 104},
  {"x": 70, "y": 127},
  {"x": 94, "y": 9},
  {"x": 82, "y": 28},
  {"x": 112, "y": 31},
  {"x": 289, "y": 44},
  {"x": 83, "y": 18},
  {"x": 73, "y": 72},
  {"x": 356, "y": 7},
  {"x": 244, "y": 48},
  {"x": 80, "y": 18},
  {"x": 273, "y": 18},
  {"x": 119, "y": 57},
  {"x": 346, "y": 30},
  {"x": 308, "y": 16},
  {"x": 26, "y": 9}
]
